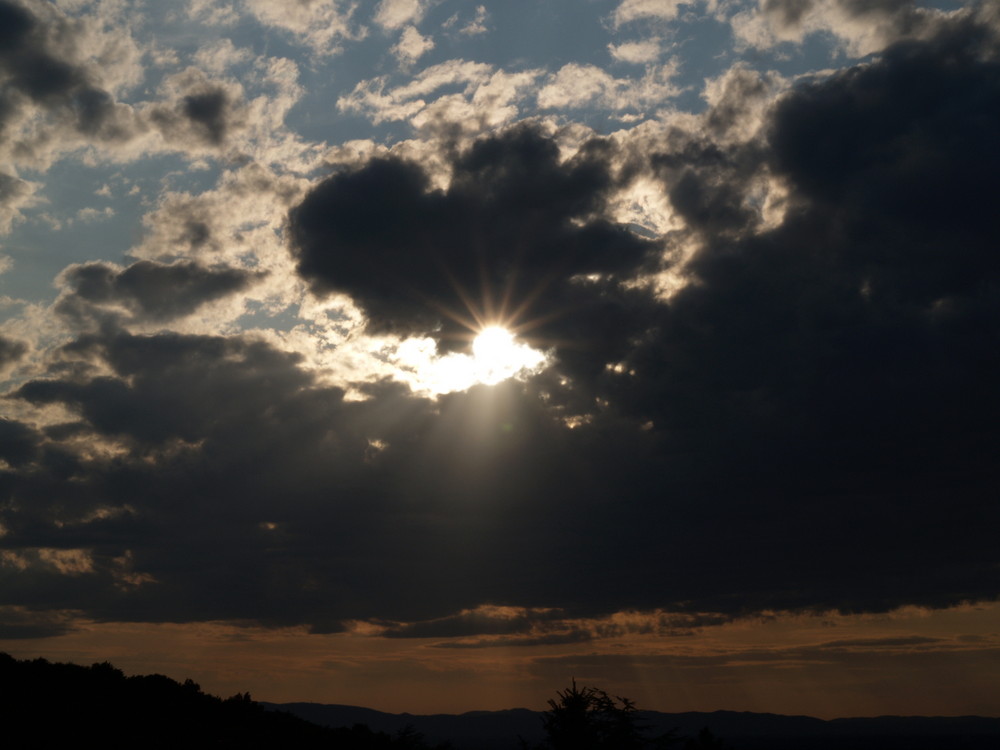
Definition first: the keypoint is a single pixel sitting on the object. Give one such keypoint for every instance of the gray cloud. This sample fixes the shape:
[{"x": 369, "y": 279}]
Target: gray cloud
[
  {"x": 37, "y": 66},
  {"x": 547, "y": 639},
  {"x": 208, "y": 111},
  {"x": 199, "y": 109},
  {"x": 475, "y": 622},
  {"x": 806, "y": 423},
  {"x": 881, "y": 643},
  {"x": 861, "y": 27},
  {"x": 11, "y": 351},
  {"x": 416, "y": 259},
  {"x": 18, "y": 623},
  {"x": 150, "y": 292},
  {"x": 15, "y": 194},
  {"x": 18, "y": 442}
]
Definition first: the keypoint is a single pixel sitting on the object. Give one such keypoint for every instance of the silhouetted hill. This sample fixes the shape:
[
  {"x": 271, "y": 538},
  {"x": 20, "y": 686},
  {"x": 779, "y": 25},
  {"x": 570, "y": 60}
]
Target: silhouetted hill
[
  {"x": 500, "y": 730},
  {"x": 482, "y": 730},
  {"x": 51, "y": 705}
]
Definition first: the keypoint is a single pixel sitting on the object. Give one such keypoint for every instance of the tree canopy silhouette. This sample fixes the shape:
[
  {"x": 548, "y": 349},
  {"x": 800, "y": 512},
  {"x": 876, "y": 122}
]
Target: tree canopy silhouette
[{"x": 586, "y": 718}]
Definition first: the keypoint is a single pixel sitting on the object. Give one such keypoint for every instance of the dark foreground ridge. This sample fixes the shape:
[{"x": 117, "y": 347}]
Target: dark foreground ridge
[
  {"x": 54, "y": 705},
  {"x": 501, "y": 730},
  {"x": 47, "y": 705}
]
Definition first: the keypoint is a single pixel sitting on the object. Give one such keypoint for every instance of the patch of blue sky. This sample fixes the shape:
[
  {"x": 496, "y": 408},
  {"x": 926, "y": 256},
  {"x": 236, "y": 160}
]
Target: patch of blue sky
[
  {"x": 87, "y": 213},
  {"x": 260, "y": 316}
]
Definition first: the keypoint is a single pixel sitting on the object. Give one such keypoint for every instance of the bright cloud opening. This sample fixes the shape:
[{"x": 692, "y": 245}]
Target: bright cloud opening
[{"x": 497, "y": 355}]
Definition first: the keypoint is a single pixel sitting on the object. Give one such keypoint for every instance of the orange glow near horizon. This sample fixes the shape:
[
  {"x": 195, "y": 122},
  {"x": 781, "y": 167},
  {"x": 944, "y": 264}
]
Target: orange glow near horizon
[{"x": 905, "y": 662}]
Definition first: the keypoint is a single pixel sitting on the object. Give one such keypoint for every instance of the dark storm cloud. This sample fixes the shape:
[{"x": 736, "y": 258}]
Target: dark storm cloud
[
  {"x": 824, "y": 387},
  {"x": 18, "y": 442},
  {"x": 149, "y": 291},
  {"x": 266, "y": 482},
  {"x": 171, "y": 378},
  {"x": 837, "y": 370},
  {"x": 810, "y": 423},
  {"x": 515, "y": 228}
]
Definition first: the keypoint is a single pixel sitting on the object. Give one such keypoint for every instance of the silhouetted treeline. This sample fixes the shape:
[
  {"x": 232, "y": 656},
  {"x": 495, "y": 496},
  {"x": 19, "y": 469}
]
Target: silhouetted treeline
[
  {"x": 735, "y": 730},
  {"x": 51, "y": 705}
]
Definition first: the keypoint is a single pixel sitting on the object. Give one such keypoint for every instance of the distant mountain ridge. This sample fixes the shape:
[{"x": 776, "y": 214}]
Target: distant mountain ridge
[{"x": 502, "y": 730}]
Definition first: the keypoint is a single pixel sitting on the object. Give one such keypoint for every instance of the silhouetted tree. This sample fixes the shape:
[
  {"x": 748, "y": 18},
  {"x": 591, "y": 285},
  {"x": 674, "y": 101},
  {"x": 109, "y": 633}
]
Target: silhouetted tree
[{"x": 585, "y": 718}]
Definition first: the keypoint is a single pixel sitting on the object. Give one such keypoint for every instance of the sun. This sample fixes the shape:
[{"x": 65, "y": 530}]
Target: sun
[
  {"x": 494, "y": 347},
  {"x": 498, "y": 355}
]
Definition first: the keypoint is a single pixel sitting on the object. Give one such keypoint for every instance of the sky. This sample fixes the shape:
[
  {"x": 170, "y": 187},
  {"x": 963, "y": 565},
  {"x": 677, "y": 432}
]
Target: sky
[{"x": 428, "y": 354}]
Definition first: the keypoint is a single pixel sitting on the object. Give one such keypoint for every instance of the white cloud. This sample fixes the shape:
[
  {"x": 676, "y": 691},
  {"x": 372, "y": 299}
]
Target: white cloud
[
  {"x": 488, "y": 97},
  {"x": 411, "y": 46},
  {"x": 213, "y": 13},
  {"x": 646, "y": 51},
  {"x": 220, "y": 55},
  {"x": 446, "y": 73},
  {"x": 89, "y": 215},
  {"x": 15, "y": 195},
  {"x": 478, "y": 24},
  {"x": 239, "y": 222},
  {"x": 394, "y": 14},
  {"x": 576, "y": 85},
  {"x": 102, "y": 42},
  {"x": 491, "y": 97},
  {"x": 319, "y": 23},
  {"x": 861, "y": 29},
  {"x": 491, "y": 104},
  {"x": 370, "y": 98},
  {"x": 633, "y": 10},
  {"x": 238, "y": 120}
]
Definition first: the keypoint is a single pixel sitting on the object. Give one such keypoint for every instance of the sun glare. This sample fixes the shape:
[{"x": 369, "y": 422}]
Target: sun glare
[
  {"x": 494, "y": 348},
  {"x": 496, "y": 356}
]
